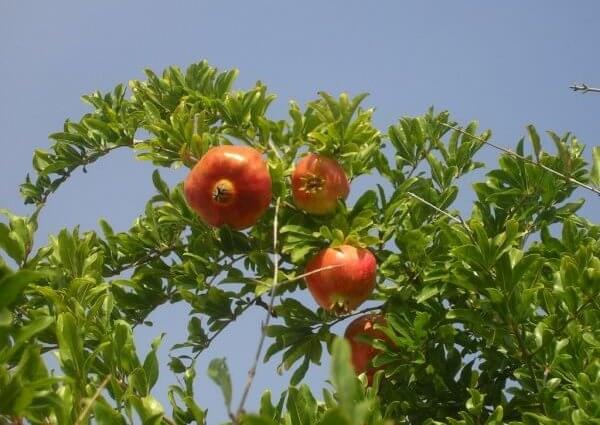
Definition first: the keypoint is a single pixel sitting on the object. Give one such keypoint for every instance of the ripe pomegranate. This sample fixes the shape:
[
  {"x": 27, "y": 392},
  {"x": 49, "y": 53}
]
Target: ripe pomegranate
[
  {"x": 361, "y": 352},
  {"x": 317, "y": 184},
  {"x": 230, "y": 185},
  {"x": 349, "y": 281}
]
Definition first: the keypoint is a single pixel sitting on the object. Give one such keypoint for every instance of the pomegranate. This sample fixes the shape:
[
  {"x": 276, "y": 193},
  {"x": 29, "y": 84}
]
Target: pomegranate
[
  {"x": 361, "y": 352},
  {"x": 347, "y": 278},
  {"x": 318, "y": 182},
  {"x": 230, "y": 185}
]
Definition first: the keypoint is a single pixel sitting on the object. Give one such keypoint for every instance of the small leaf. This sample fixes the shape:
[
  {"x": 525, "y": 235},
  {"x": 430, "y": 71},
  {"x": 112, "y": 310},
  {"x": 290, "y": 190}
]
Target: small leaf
[
  {"x": 343, "y": 375},
  {"x": 69, "y": 341},
  {"x": 539, "y": 333},
  {"x": 104, "y": 414},
  {"x": 475, "y": 402},
  {"x": 496, "y": 417},
  {"x": 219, "y": 373},
  {"x": 426, "y": 293},
  {"x": 150, "y": 410},
  {"x": 535, "y": 141},
  {"x": 151, "y": 362},
  {"x": 334, "y": 417},
  {"x": 257, "y": 420},
  {"x": 26, "y": 332},
  {"x": 159, "y": 184},
  {"x": 595, "y": 173},
  {"x": 9, "y": 243},
  {"x": 300, "y": 372}
]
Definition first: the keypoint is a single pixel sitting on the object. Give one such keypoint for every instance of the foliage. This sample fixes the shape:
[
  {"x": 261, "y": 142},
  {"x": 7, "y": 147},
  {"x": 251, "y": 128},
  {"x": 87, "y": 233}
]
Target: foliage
[{"x": 493, "y": 318}]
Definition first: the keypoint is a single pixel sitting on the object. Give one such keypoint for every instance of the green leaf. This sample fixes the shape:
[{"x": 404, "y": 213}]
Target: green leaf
[
  {"x": 6, "y": 318},
  {"x": 149, "y": 409},
  {"x": 13, "y": 285},
  {"x": 160, "y": 184},
  {"x": 343, "y": 375},
  {"x": 301, "y": 405},
  {"x": 475, "y": 402},
  {"x": 176, "y": 365},
  {"x": 535, "y": 141},
  {"x": 257, "y": 420},
  {"x": 219, "y": 373},
  {"x": 539, "y": 333},
  {"x": 426, "y": 293},
  {"x": 9, "y": 243},
  {"x": 104, "y": 414},
  {"x": 151, "y": 362},
  {"x": 300, "y": 372},
  {"x": 33, "y": 328},
  {"x": 366, "y": 201},
  {"x": 69, "y": 342},
  {"x": 334, "y": 417},
  {"x": 595, "y": 173},
  {"x": 496, "y": 417}
]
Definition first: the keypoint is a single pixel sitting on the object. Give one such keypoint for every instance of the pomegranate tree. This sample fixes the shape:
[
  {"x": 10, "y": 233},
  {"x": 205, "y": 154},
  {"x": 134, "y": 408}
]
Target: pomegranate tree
[{"x": 493, "y": 316}]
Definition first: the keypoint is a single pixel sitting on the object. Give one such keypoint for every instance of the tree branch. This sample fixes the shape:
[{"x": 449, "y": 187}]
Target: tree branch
[
  {"x": 356, "y": 313},
  {"x": 150, "y": 256},
  {"x": 584, "y": 88},
  {"x": 90, "y": 403},
  {"x": 261, "y": 342},
  {"x": 525, "y": 159}
]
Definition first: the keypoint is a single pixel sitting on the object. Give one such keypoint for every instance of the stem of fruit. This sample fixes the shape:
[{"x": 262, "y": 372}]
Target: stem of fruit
[{"x": 265, "y": 324}]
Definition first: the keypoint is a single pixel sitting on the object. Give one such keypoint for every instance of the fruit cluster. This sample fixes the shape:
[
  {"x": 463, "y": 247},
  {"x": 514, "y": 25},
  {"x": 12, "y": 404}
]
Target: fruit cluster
[{"x": 231, "y": 185}]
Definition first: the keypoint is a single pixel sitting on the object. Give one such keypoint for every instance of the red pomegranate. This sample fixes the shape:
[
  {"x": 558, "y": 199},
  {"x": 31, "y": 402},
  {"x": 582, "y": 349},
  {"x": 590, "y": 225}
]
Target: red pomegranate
[
  {"x": 347, "y": 278},
  {"x": 318, "y": 182},
  {"x": 230, "y": 185},
  {"x": 361, "y": 352}
]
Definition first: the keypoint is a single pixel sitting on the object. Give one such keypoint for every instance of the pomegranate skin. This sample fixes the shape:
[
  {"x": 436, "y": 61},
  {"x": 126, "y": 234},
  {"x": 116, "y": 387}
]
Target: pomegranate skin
[
  {"x": 362, "y": 353},
  {"x": 318, "y": 182},
  {"x": 347, "y": 285},
  {"x": 230, "y": 185}
]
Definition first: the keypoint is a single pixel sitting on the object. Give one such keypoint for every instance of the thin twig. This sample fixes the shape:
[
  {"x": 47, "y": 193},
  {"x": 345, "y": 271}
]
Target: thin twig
[
  {"x": 152, "y": 255},
  {"x": 263, "y": 333},
  {"x": 90, "y": 403},
  {"x": 266, "y": 306},
  {"x": 169, "y": 420},
  {"x": 457, "y": 219},
  {"x": 259, "y": 302},
  {"x": 523, "y": 158},
  {"x": 196, "y": 118},
  {"x": 342, "y": 318},
  {"x": 582, "y": 87},
  {"x": 303, "y": 275}
]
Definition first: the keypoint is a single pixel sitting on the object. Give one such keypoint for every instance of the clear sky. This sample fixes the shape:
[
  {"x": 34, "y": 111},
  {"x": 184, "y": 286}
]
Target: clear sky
[{"x": 506, "y": 64}]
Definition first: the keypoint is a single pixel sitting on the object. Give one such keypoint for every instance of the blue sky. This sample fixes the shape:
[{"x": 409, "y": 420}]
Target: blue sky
[{"x": 506, "y": 64}]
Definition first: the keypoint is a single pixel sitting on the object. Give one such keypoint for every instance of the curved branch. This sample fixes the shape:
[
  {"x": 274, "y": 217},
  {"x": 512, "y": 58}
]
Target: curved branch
[{"x": 87, "y": 160}]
